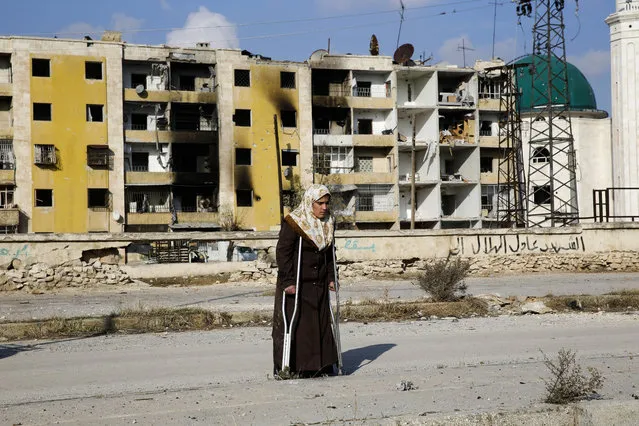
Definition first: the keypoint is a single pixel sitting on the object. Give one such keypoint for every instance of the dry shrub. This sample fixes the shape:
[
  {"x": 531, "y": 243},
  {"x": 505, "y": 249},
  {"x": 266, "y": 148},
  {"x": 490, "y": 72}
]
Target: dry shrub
[
  {"x": 567, "y": 382},
  {"x": 443, "y": 279},
  {"x": 609, "y": 302},
  {"x": 394, "y": 311}
]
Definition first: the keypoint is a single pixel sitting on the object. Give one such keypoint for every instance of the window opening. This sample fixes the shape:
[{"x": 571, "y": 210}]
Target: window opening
[
  {"x": 486, "y": 164},
  {"x": 289, "y": 158},
  {"x": 41, "y": 112},
  {"x": 242, "y": 156},
  {"x": 140, "y": 161},
  {"x": 44, "y": 154},
  {"x": 40, "y": 67},
  {"x": 289, "y": 118},
  {"x": 243, "y": 78},
  {"x": 287, "y": 80},
  {"x": 98, "y": 198},
  {"x": 93, "y": 70},
  {"x": 44, "y": 197},
  {"x": 242, "y": 117},
  {"x": 365, "y": 126},
  {"x": 139, "y": 122},
  {"x": 95, "y": 113},
  {"x": 540, "y": 155},
  {"x": 541, "y": 194},
  {"x": 244, "y": 197}
]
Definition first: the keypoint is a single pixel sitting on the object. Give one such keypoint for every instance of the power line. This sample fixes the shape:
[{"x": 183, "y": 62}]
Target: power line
[{"x": 287, "y": 21}]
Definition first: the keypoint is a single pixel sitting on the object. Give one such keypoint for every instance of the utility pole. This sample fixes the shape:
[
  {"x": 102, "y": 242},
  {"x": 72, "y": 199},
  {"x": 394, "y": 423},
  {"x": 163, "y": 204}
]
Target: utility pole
[
  {"x": 412, "y": 177},
  {"x": 552, "y": 181},
  {"x": 401, "y": 21},
  {"x": 463, "y": 48}
]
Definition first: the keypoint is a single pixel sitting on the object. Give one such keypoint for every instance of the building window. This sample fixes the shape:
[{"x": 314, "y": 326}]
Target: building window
[
  {"x": 98, "y": 198},
  {"x": 242, "y": 156},
  {"x": 540, "y": 155},
  {"x": 287, "y": 80},
  {"x": 187, "y": 83},
  {"x": 486, "y": 128},
  {"x": 7, "y": 158},
  {"x": 138, "y": 80},
  {"x": 289, "y": 118},
  {"x": 365, "y": 164},
  {"x": 542, "y": 194},
  {"x": 140, "y": 162},
  {"x": 490, "y": 88},
  {"x": 242, "y": 117},
  {"x": 44, "y": 154},
  {"x": 375, "y": 198},
  {"x": 244, "y": 197},
  {"x": 332, "y": 159},
  {"x": 139, "y": 122},
  {"x": 365, "y": 126},
  {"x": 41, "y": 112},
  {"x": 98, "y": 156},
  {"x": 93, "y": 70},
  {"x": 95, "y": 113},
  {"x": 40, "y": 67},
  {"x": 243, "y": 78},
  {"x": 488, "y": 199},
  {"x": 44, "y": 197},
  {"x": 486, "y": 164},
  {"x": 289, "y": 158},
  {"x": 6, "y": 197}
]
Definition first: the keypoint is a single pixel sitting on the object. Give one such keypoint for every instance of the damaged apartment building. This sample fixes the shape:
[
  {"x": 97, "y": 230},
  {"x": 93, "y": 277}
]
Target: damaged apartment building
[{"x": 108, "y": 136}]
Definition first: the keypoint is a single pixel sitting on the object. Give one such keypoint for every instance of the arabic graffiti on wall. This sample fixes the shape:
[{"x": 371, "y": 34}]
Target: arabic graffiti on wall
[
  {"x": 353, "y": 244},
  {"x": 15, "y": 253},
  {"x": 511, "y": 244}
]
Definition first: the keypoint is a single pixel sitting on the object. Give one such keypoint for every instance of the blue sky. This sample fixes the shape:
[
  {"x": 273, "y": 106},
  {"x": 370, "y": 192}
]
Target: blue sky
[{"x": 293, "y": 29}]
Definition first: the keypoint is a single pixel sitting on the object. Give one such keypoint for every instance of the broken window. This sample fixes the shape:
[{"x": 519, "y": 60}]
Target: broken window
[
  {"x": 289, "y": 157},
  {"x": 138, "y": 80},
  {"x": 93, "y": 70},
  {"x": 187, "y": 82},
  {"x": 95, "y": 113},
  {"x": 289, "y": 118},
  {"x": 139, "y": 122},
  {"x": 98, "y": 155},
  {"x": 40, "y": 67},
  {"x": 365, "y": 126},
  {"x": 287, "y": 80},
  {"x": 140, "y": 162},
  {"x": 244, "y": 197},
  {"x": 98, "y": 198},
  {"x": 540, "y": 155},
  {"x": 243, "y": 78},
  {"x": 41, "y": 112},
  {"x": 486, "y": 164},
  {"x": 365, "y": 164},
  {"x": 242, "y": 117},
  {"x": 242, "y": 156},
  {"x": 44, "y": 197},
  {"x": 44, "y": 154},
  {"x": 541, "y": 194}
]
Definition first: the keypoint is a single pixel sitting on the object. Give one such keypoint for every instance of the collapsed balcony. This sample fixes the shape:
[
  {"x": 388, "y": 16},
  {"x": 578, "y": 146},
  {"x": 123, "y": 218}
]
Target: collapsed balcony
[{"x": 456, "y": 128}]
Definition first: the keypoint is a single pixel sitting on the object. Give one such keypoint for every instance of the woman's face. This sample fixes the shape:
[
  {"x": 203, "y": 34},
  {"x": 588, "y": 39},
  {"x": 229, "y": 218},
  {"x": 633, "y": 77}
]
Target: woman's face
[{"x": 320, "y": 207}]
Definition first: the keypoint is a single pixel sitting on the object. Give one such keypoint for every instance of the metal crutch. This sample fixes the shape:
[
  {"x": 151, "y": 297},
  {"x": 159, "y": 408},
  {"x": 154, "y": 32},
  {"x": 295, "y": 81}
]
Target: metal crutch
[
  {"x": 288, "y": 327},
  {"x": 335, "y": 316}
]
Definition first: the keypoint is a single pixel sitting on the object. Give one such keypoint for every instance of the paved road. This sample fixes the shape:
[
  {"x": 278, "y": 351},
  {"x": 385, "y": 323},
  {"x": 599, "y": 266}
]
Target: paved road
[
  {"x": 222, "y": 377},
  {"x": 251, "y": 296}
]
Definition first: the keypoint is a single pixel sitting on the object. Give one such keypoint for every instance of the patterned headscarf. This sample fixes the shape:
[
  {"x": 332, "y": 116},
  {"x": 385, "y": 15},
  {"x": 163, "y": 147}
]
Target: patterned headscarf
[{"x": 320, "y": 231}]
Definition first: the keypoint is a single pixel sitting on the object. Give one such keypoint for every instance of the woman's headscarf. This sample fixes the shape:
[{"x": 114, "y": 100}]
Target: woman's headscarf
[{"x": 319, "y": 231}]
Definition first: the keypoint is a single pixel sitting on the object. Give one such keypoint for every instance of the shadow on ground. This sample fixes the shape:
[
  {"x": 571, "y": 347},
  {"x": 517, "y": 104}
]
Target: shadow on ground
[{"x": 355, "y": 359}]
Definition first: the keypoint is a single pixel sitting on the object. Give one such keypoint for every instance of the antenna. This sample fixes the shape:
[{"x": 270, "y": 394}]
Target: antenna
[
  {"x": 401, "y": 21},
  {"x": 495, "y": 3},
  {"x": 463, "y": 48}
]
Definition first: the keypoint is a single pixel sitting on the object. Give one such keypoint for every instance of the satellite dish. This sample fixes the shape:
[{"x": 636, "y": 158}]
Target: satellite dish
[
  {"x": 139, "y": 89},
  {"x": 403, "y": 53},
  {"x": 318, "y": 55},
  {"x": 117, "y": 216}
]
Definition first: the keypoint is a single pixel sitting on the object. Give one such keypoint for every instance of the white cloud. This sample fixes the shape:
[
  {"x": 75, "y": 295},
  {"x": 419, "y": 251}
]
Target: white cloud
[
  {"x": 205, "y": 26},
  {"x": 593, "y": 63},
  {"x": 124, "y": 23},
  {"x": 164, "y": 4}
]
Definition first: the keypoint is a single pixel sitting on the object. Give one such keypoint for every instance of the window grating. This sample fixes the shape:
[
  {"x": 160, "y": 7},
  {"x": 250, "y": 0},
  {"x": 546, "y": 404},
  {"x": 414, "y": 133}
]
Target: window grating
[
  {"x": 375, "y": 198},
  {"x": 243, "y": 78},
  {"x": 7, "y": 158},
  {"x": 332, "y": 159},
  {"x": 44, "y": 154}
]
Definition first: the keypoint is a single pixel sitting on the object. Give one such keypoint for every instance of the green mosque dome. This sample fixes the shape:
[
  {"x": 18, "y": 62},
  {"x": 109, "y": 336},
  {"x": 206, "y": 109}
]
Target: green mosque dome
[{"x": 582, "y": 97}]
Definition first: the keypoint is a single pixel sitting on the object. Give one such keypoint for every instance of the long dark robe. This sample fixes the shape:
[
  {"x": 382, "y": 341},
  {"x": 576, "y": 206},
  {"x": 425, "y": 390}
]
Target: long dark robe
[{"x": 313, "y": 348}]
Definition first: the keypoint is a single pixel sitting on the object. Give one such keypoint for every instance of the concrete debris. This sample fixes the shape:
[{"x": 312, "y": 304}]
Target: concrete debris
[
  {"x": 405, "y": 385},
  {"x": 535, "y": 308}
]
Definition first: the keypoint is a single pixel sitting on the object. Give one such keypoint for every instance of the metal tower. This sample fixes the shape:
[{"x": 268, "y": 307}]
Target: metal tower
[
  {"x": 511, "y": 184},
  {"x": 552, "y": 183}
]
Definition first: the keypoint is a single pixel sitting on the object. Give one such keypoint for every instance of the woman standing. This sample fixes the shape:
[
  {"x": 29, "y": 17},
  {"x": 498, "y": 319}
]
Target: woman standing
[{"x": 313, "y": 349}]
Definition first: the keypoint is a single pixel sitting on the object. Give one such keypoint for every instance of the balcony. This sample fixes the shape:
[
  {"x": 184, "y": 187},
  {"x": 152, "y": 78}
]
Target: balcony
[
  {"x": 164, "y": 218},
  {"x": 354, "y": 178},
  {"x": 405, "y": 180},
  {"x": 144, "y": 178},
  {"x": 344, "y": 98},
  {"x": 7, "y": 177},
  {"x": 375, "y": 216},
  {"x": 9, "y": 217},
  {"x": 182, "y": 96},
  {"x": 488, "y": 141},
  {"x": 171, "y": 136},
  {"x": 489, "y": 104},
  {"x": 6, "y": 89},
  {"x": 374, "y": 140}
]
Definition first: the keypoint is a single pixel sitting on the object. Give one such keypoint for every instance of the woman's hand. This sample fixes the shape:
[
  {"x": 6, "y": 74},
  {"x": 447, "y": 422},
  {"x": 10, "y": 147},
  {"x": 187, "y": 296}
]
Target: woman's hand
[
  {"x": 331, "y": 286},
  {"x": 290, "y": 289}
]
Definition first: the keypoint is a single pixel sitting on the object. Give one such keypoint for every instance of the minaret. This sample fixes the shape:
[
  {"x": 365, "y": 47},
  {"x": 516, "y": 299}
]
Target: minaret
[{"x": 624, "y": 49}]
